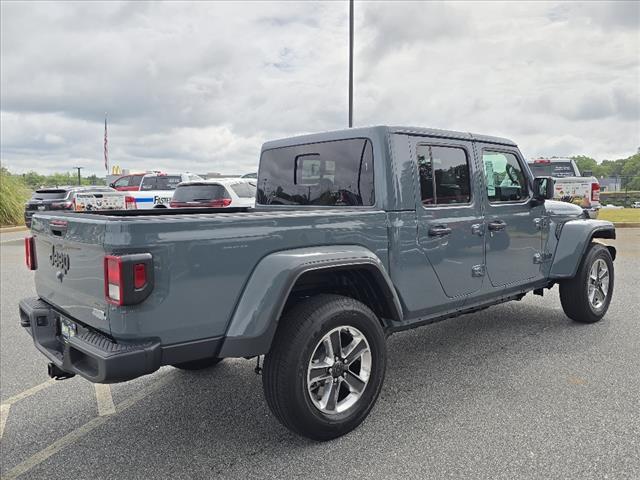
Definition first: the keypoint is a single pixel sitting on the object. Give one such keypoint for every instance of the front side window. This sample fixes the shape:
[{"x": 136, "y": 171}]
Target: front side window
[
  {"x": 336, "y": 173},
  {"x": 504, "y": 177},
  {"x": 122, "y": 182},
  {"x": 444, "y": 175}
]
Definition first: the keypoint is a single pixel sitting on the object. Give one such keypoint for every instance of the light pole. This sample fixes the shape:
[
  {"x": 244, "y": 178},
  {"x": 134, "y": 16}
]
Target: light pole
[
  {"x": 79, "y": 177},
  {"x": 350, "y": 63}
]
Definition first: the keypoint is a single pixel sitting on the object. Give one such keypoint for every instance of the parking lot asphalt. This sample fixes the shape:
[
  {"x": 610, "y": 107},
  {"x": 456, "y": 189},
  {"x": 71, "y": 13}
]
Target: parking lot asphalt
[{"x": 514, "y": 391}]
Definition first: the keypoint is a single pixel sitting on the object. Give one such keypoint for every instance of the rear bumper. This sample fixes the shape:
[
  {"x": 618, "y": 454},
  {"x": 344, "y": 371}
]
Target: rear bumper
[{"x": 97, "y": 357}]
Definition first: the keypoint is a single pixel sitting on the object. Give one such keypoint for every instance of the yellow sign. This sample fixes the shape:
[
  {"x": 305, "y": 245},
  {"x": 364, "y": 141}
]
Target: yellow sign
[{"x": 116, "y": 170}]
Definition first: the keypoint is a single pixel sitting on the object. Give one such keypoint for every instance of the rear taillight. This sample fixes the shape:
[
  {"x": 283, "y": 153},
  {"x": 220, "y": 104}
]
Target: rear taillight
[
  {"x": 595, "y": 192},
  {"x": 30, "y": 252},
  {"x": 128, "y": 279},
  {"x": 220, "y": 202},
  {"x": 173, "y": 204},
  {"x": 130, "y": 203},
  {"x": 113, "y": 279}
]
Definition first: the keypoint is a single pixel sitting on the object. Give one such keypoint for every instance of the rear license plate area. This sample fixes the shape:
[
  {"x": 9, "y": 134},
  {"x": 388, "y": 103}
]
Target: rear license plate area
[{"x": 68, "y": 328}]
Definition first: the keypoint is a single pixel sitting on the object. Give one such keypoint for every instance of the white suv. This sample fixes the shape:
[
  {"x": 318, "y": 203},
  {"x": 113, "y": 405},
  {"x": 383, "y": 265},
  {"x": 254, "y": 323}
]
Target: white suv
[{"x": 156, "y": 189}]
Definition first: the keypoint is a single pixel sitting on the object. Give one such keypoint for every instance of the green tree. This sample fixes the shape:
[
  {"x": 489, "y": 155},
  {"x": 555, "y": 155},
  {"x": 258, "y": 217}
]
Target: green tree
[{"x": 631, "y": 172}]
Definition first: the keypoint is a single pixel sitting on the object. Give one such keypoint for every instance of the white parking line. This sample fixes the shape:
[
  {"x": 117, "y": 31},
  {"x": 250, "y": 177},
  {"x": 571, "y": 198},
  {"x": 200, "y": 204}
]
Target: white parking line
[
  {"x": 28, "y": 392},
  {"x": 6, "y": 405},
  {"x": 104, "y": 399},
  {"x": 81, "y": 431},
  {"x": 4, "y": 414}
]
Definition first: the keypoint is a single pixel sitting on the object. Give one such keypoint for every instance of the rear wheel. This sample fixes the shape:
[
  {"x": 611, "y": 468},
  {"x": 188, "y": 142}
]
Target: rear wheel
[
  {"x": 198, "y": 364},
  {"x": 326, "y": 366},
  {"x": 586, "y": 297}
]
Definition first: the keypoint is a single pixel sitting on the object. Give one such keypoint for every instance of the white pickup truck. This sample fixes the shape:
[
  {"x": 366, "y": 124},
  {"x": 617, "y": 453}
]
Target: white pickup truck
[
  {"x": 570, "y": 185},
  {"x": 156, "y": 189}
]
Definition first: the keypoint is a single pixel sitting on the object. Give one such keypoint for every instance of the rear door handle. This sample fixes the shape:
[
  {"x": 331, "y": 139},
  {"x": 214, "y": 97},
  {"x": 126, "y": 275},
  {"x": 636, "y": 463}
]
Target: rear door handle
[
  {"x": 439, "y": 231},
  {"x": 497, "y": 225}
]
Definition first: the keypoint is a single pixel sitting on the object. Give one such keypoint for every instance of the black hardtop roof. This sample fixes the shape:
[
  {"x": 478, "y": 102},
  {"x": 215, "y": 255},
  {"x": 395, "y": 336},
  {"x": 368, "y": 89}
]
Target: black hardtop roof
[{"x": 378, "y": 130}]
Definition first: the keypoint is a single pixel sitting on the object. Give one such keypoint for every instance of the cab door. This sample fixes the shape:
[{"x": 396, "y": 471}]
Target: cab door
[
  {"x": 513, "y": 219},
  {"x": 449, "y": 214}
]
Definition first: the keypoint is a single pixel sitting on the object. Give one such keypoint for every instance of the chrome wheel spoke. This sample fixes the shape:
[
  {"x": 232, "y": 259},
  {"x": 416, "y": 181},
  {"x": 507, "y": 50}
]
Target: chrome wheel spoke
[
  {"x": 355, "y": 383},
  {"x": 598, "y": 283},
  {"x": 332, "y": 397},
  {"x": 334, "y": 340},
  {"x": 359, "y": 347},
  {"x": 319, "y": 372}
]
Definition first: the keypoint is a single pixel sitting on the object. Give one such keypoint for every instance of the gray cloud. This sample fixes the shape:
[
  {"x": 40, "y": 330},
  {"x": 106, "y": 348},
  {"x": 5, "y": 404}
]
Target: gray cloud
[{"x": 201, "y": 85}]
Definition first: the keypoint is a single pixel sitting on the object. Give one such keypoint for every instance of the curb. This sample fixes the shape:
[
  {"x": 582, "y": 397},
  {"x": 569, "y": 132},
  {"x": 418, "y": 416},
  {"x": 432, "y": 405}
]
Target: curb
[
  {"x": 627, "y": 224},
  {"x": 13, "y": 229}
]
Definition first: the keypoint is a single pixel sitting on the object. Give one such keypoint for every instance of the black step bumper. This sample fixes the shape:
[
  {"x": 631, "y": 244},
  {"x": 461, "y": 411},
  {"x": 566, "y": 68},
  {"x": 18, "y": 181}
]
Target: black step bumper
[{"x": 89, "y": 354}]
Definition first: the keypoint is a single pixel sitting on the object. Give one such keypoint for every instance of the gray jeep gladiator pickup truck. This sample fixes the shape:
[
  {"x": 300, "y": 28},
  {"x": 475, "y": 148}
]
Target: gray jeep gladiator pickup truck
[{"x": 356, "y": 234}]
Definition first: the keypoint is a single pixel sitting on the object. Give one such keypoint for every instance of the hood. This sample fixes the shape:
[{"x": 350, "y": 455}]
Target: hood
[{"x": 554, "y": 207}]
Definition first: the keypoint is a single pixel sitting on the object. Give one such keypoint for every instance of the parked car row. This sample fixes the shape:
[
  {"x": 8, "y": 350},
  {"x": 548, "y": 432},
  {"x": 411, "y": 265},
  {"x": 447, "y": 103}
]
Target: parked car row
[{"x": 156, "y": 190}]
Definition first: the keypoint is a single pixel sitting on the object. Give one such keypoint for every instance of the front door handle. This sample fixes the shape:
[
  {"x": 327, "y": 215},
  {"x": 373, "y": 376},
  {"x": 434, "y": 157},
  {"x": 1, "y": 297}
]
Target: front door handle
[
  {"x": 439, "y": 231},
  {"x": 497, "y": 225}
]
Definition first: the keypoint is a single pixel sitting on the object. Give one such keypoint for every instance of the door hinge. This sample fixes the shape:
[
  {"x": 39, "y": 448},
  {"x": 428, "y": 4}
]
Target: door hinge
[
  {"x": 540, "y": 223},
  {"x": 542, "y": 257},
  {"x": 477, "y": 271}
]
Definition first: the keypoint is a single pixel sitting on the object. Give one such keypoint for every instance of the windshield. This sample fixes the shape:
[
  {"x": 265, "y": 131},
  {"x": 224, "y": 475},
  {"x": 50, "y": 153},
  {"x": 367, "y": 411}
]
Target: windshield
[
  {"x": 199, "y": 193},
  {"x": 552, "y": 169},
  {"x": 161, "y": 182}
]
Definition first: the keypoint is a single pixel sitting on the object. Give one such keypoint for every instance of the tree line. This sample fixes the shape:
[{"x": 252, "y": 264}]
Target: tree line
[{"x": 628, "y": 169}]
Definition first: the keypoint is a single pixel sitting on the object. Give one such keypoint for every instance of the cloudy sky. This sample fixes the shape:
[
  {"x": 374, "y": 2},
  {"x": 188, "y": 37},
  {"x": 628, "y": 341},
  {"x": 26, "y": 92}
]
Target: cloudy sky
[{"x": 200, "y": 86}]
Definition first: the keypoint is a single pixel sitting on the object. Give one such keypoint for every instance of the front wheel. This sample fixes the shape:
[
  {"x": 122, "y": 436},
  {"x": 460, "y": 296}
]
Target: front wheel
[
  {"x": 326, "y": 366},
  {"x": 586, "y": 297}
]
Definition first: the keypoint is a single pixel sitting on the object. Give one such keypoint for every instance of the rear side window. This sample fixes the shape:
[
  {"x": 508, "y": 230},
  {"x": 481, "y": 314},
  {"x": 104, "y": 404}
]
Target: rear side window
[
  {"x": 444, "y": 175},
  {"x": 336, "y": 173},
  {"x": 199, "y": 193},
  {"x": 504, "y": 177},
  {"x": 244, "y": 189},
  {"x": 163, "y": 182},
  {"x": 134, "y": 180}
]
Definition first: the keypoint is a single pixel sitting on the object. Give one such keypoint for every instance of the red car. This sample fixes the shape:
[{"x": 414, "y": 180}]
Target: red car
[{"x": 128, "y": 183}]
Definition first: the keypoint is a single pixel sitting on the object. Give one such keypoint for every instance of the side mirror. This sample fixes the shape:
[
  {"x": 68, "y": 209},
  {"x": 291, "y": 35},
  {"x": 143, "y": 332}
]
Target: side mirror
[
  {"x": 543, "y": 188},
  {"x": 112, "y": 185}
]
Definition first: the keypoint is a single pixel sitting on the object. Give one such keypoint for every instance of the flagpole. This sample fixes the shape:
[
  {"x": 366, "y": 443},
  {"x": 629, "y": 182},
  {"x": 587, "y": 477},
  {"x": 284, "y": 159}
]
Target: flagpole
[
  {"x": 350, "y": 63},
  {"x": 106, "y": 146}
]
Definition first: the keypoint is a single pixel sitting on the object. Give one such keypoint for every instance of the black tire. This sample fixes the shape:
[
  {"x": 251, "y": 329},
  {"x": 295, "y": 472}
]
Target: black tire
[
  {"x": 574, "y": 293},
  {"x": 284, "y": 377},
  {"x": 198, "y": 364}
]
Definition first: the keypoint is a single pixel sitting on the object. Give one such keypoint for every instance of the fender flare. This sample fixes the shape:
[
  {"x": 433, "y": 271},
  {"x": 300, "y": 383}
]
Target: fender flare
[
  {"x": 575, "y": 237},
  {"x": 255, "y": 318}
]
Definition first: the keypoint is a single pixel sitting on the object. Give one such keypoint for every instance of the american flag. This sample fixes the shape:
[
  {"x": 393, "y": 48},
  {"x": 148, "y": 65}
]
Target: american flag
[{"x": 106, "y": 147}]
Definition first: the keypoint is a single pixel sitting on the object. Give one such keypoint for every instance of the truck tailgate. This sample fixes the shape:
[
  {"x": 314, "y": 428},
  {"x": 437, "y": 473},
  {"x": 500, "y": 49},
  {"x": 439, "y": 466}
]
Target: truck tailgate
[{"x": 70, "y": 268}]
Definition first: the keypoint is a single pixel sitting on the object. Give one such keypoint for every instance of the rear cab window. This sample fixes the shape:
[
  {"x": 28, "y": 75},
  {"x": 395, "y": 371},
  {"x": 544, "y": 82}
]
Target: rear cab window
[
  {"x": 333, "y": 173},
  {"x": 549, "y": 168},
  {"x": 50, "y": 194}
]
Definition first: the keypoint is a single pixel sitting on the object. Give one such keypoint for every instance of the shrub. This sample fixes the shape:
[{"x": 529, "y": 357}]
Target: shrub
[{"x": 13, "y": 195}]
